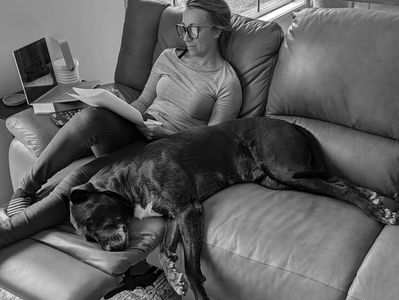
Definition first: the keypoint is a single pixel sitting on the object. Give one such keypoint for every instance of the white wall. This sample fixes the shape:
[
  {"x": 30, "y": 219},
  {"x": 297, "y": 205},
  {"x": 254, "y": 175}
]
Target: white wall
[{"x": 93, "y": 29}]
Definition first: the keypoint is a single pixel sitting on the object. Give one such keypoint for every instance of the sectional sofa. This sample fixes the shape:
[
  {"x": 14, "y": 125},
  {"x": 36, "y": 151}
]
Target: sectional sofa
[{"x": 336, "y": 73}]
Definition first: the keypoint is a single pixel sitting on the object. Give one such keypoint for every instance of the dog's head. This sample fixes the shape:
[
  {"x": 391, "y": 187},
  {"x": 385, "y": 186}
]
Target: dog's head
[{"x": 101, "y": 216}]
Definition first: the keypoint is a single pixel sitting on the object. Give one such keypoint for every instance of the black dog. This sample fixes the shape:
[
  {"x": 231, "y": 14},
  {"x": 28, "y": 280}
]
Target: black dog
[{"x": 174, "y": 175}]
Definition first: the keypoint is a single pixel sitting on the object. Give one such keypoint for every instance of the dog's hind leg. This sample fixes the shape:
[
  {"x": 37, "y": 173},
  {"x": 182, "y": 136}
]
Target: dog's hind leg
[
  {"x": 368, "y": 201},
  {"x": 272, "y": 184},
  {"x": 191, "y": 228},
  {"x": 168, "y": 257}
]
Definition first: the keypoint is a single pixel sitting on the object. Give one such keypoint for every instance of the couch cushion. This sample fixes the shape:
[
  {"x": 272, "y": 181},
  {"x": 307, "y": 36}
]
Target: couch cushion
[
  {"x": 347, "y": 77},
  {"x": 378, "y": 274},
  {"x": 299, "y": 245},
  {"x": 34, "y": 271},
  {"x": 145, "y": 236},
  {"x": 139, "y": 38},
  {"x": 251, "y": 47},
  {"x": 338, "y": 65}
]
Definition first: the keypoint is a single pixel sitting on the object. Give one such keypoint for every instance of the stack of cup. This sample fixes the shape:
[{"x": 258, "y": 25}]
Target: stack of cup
[{"x": 63, "y": 75}]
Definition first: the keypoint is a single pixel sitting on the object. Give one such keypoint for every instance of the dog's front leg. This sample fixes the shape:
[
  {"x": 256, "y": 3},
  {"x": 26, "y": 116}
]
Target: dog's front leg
[
  {"x": 191, "y": 228},
  {"x": 168, "y": 257}
]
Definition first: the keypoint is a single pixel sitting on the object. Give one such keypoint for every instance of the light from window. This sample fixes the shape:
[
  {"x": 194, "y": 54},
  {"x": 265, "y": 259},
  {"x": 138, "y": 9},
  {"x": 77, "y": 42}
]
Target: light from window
[{"x": 251, "y": 8}]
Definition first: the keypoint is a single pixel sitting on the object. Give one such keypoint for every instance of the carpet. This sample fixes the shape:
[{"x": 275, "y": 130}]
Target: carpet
[{"x": 158, "y": 290}]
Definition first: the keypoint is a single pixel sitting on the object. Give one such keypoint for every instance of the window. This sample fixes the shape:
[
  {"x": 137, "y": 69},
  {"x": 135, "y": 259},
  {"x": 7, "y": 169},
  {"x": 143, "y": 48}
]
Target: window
[{"x": 250, "y": 8}]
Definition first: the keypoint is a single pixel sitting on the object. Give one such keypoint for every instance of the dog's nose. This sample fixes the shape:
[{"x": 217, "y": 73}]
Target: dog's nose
[{"x": 124, "y": 228}]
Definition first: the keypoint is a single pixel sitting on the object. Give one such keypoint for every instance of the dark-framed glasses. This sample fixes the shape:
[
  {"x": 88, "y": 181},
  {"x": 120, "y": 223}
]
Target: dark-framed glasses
[{"x": 191, "y": 30}]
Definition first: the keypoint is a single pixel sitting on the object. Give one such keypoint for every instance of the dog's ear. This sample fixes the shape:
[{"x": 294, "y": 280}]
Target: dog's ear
[{"x": 79, "y": 193}]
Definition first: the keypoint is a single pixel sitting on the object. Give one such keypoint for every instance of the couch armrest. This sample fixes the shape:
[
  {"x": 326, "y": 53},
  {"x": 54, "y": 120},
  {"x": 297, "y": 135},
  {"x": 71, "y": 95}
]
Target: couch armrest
[{"x": 34, "y": 131}]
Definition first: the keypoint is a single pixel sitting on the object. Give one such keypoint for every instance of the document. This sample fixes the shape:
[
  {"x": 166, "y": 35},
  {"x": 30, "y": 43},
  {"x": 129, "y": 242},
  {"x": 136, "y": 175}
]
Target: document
[{"x": 103, "y": 98}]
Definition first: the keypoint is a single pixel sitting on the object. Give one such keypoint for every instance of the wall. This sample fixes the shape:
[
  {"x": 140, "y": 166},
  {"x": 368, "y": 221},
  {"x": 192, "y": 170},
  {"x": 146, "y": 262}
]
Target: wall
[{"x": 93, "y": 29}]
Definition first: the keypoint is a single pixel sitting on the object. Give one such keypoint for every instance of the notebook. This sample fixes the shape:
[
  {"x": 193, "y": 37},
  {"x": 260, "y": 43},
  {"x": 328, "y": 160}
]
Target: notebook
[{"x": 36, "y": 72}]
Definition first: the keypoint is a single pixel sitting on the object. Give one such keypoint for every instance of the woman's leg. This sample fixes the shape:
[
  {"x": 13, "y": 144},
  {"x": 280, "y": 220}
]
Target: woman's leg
[
  {"x": 95, "y": 128},
  {"x": 51, "y": 210}
]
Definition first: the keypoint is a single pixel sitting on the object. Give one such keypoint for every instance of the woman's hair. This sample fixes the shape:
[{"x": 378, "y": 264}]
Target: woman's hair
[{"x": 218, "y": 11}]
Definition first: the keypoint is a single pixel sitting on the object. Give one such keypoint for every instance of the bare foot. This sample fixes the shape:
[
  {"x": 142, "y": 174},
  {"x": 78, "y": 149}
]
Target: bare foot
[
  {"x": 3, "y": 214},
  {"x": 176, "y": 279}
]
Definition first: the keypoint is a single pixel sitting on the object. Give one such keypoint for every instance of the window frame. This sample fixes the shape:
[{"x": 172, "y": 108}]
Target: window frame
[
  {"x": 265, "y": 8},
  {"x": 260, "y": 9}
]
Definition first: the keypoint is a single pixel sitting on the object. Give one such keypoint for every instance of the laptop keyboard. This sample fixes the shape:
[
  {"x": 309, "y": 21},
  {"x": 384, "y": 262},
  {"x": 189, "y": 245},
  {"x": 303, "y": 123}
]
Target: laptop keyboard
[{"x": 60, "y": 118}]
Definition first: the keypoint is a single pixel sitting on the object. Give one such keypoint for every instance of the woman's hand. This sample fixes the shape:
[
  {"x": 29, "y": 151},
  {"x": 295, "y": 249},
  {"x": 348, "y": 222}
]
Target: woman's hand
[{"x": 153, "y": 131}]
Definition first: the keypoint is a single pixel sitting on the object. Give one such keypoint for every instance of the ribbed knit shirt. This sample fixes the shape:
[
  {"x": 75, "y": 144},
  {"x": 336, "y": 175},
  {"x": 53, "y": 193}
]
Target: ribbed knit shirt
[{"x": 182, "y": 95}]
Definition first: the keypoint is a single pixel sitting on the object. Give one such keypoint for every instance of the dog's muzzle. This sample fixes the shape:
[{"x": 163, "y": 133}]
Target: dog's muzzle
[{"x": 116, "y": 241}]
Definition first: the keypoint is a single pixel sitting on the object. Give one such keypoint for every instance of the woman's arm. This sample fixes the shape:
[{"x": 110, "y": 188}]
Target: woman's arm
[
  {"x": 228, "y": 103},
  {"x": 148, "y": 95}
]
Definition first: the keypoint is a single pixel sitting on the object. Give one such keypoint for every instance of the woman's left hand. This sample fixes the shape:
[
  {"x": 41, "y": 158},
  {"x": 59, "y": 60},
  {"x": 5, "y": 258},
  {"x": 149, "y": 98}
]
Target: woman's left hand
[{"x": 153, "y": 131}]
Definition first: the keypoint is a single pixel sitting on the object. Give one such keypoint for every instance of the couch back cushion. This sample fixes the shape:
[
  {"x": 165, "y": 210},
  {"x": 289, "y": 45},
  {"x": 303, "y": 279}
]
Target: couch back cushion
[
  {"x": 251, "y": 47},
  {"x": 337, "y": 69},
  {"x": 139, "y": 37}
]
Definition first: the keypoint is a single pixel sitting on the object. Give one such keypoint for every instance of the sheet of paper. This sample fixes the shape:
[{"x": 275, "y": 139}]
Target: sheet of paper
[{"x": 103, "y": 98}]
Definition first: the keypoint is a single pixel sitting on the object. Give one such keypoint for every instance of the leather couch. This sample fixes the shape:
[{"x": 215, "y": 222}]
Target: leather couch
[{"x": 334, "y": 73}]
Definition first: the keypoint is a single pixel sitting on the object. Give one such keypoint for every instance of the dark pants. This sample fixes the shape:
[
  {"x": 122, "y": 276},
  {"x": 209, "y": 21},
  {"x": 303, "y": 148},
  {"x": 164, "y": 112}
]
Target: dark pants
[{"x": 107, "y": 134}]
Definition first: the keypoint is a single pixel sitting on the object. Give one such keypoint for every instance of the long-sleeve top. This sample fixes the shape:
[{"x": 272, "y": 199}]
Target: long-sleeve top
[{"x": 182, "y": 96}]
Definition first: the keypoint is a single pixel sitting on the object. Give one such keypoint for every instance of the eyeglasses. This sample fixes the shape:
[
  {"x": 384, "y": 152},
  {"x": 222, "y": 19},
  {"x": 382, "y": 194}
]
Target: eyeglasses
[{"x": 191, "y": 30}]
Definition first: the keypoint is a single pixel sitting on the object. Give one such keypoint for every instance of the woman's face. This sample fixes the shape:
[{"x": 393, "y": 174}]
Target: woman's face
[{"x": 207, "y": 38}]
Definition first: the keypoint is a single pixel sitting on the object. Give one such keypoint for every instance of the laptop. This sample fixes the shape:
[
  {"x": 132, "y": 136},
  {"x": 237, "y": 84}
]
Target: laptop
[{"x": 35, "y": 70}]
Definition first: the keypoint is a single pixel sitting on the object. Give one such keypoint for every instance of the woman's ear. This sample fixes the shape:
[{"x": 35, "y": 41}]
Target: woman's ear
[{"x": 217, "y": 32}]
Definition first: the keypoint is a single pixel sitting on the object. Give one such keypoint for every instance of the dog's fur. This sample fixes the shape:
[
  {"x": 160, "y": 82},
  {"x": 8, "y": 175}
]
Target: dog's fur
[{"x": 174, "y": 175}]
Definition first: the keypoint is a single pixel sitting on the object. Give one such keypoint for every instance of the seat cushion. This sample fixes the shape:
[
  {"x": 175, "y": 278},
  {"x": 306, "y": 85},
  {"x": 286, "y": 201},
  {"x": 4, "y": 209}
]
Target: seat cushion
[
  {"x": 377, "y": 276},
  {"x": 144, "y": 235},
  {"x": 299, "y": 245},
  {"x": 32, "y": 270}
]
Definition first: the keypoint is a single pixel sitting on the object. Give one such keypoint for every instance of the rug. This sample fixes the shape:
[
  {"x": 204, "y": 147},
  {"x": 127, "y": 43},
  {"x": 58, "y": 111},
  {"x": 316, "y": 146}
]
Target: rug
[{"x": 158, "y": 290}]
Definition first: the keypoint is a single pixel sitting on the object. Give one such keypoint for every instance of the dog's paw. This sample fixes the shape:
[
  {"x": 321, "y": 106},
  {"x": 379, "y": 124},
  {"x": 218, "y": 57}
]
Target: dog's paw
[
  {"x": 385, "y": 215},
  {"x": 175, "y": 278}
]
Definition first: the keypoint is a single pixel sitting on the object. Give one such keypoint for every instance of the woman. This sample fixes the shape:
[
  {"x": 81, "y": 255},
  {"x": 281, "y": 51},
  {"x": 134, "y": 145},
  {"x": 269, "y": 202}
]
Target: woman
[{"x": 186, "y": 88}]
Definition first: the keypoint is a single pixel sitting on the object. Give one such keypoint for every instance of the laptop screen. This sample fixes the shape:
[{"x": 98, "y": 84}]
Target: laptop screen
[{"x": 35, "y": 69}]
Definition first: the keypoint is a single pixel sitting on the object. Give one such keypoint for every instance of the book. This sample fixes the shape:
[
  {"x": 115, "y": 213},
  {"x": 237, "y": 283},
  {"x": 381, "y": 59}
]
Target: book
[{"x": 103, "y": 98}]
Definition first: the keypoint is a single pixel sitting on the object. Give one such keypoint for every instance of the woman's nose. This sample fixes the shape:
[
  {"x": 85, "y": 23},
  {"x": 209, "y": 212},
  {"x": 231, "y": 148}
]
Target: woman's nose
[{"x": 186, "y": 36}]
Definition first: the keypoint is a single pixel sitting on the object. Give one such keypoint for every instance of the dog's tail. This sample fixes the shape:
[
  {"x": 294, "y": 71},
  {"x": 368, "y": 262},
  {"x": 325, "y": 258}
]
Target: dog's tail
[{"x": 323, "y": 174}]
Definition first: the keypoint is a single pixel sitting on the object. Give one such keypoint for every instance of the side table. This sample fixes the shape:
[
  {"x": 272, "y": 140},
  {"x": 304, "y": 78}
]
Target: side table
[{"x": 5, "y": 139}]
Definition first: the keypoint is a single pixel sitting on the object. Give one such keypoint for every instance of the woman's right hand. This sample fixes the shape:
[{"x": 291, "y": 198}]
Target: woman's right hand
[{"x": 153, "y": 131}]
